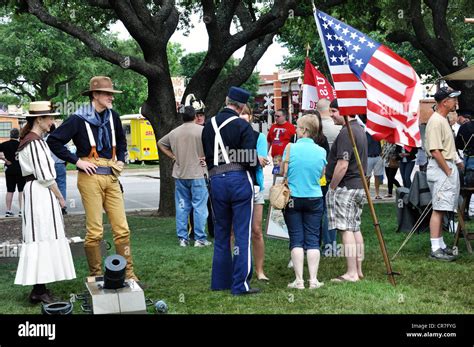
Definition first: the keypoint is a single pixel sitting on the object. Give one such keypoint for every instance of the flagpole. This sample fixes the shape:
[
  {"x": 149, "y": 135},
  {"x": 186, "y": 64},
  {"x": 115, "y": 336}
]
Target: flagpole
[
  {"x": 378, "y": 231},
  {"x": 307, "y": 49}
]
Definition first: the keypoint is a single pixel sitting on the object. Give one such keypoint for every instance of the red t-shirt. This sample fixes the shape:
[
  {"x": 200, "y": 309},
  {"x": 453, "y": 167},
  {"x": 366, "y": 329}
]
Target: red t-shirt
[{"x": 279, "y": 136}]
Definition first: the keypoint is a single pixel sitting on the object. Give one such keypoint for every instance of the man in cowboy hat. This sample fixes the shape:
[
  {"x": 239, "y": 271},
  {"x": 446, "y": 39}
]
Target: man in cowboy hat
[{"x": 97, "y": 132}]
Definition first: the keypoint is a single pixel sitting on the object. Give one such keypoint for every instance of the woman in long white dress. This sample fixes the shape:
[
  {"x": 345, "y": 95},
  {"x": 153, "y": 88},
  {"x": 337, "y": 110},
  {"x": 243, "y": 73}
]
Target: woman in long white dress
[{"x": 45, "y": 255}]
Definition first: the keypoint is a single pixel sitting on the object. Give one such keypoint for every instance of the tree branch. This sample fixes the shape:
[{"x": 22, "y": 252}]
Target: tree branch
[
  {"x": 225, "y": 13},
  {"x": 104, "y": 4},
  {"x": 36, "y": 8},
  {"x": 169, "y": 16},
  {"x": 139, "y": 27},
  {"x": 213, "y": 28},
  {"x": 266, "y": 24},
  {"x": 253, "y": 52},
  {"x": 21, "y": 93},
  {"x": 59, "y": 84}
]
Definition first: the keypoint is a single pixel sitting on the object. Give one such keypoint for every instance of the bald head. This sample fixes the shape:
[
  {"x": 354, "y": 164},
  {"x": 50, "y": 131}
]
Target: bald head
[{"x": 323, "y": 107}]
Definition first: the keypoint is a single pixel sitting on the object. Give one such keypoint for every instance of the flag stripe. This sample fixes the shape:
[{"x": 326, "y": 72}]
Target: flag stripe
[
  {"x": 352, "y": 110},
  {"x": 348, "y": 86},
  {"x": 397, "y": 63},
  {"x": 342, "y": 94},
  {"x": 345, "y": 77},
  {"x": 386, "y": 79},
  {"x": 392, "y": 72},
  {"x": 352, "y": 102},
  {"x": 384, "y": 90}
]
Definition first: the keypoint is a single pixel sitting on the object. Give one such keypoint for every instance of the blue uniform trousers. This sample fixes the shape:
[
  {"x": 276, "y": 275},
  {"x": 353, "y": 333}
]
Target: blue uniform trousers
[{"x": 232, "y": 200}]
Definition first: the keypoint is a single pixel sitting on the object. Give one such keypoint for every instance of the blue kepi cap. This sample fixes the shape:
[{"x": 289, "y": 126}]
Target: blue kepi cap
[{"x": 238, "y": 94}]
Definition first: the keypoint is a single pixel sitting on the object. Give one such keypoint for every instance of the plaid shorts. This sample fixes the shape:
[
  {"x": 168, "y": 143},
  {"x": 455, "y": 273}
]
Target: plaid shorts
[{"x": 344, "y": 208}]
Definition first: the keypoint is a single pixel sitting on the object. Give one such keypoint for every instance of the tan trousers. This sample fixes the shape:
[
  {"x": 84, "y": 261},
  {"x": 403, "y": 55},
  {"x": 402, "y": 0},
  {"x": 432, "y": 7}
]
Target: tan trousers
[{"x": 98, "y": 193}]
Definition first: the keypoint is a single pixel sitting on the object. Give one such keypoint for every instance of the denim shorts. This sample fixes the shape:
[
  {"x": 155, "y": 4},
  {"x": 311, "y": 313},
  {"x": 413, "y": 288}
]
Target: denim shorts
[{"x": 303, "y": 218}]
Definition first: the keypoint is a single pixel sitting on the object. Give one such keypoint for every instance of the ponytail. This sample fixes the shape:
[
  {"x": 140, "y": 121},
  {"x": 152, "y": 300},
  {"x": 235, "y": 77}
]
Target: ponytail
[{"x": 30, "y": 121}]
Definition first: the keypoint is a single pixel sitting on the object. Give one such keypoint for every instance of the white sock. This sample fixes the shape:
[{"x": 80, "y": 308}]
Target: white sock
[
  {"x": 435, "y": 244},
  {"x": 441, "y": 243}
]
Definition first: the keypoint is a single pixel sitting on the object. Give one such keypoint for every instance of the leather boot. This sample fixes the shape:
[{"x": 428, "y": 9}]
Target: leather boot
[
  {"x": 94, "y": 259},
  {"x": 124, "y": 250}
]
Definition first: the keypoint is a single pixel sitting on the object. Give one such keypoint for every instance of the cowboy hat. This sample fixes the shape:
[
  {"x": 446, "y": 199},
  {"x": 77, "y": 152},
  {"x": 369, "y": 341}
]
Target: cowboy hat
[
  {"x": 101, "y": 84},
  {"x": 41, "y": 109}
]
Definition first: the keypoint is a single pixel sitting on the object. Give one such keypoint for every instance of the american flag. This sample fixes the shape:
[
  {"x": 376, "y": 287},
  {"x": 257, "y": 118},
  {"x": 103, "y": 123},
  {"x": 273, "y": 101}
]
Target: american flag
[{"x": 371, "y": 79}]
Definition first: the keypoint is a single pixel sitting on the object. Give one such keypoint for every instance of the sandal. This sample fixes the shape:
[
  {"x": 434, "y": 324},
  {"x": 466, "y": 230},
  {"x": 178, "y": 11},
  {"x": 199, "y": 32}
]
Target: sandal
[{"x": 340, "y": 279}]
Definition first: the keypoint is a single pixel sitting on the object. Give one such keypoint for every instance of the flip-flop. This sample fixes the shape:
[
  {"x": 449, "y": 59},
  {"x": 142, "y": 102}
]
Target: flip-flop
[
  {"x": 340, "y": 279},
  {"x": 378, "y": 197},
  {"x": 263, "y": 278}
]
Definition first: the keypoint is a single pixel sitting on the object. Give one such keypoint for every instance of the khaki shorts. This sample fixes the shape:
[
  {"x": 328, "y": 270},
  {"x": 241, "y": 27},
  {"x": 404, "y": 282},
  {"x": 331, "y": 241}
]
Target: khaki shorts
[{"x": 444, "y": 189}]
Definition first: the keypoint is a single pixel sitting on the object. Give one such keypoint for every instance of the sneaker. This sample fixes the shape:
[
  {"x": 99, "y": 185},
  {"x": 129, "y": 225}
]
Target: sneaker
[
  {"x": 202, "y": 243},
  {"x": 296, "y": 284},
  {"x": 315, "y": 284},
  {"x": 183, "y": 243},
  {"x": 440, "y": 254},
  {"x": 448, "y": 251},
  {"x": 9, "y": 214}
]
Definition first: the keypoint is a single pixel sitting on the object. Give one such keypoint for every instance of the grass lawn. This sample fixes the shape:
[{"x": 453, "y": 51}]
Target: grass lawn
[{"x": 181, "y": 277}]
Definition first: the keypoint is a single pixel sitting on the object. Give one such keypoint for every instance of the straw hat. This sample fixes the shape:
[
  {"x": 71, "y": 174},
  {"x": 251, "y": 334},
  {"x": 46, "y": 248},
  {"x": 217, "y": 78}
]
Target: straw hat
[
  {"x": 41, "y": 108},
  {"x": 101, "y": 84}
]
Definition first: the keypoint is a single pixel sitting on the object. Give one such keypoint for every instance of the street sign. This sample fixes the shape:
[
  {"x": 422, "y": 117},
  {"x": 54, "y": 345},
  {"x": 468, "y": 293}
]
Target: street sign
[{"x": 268, "y": 102}]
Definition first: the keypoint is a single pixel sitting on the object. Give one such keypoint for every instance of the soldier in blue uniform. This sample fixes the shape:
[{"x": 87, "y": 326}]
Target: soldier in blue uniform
[{"x": 230, "y": 149}]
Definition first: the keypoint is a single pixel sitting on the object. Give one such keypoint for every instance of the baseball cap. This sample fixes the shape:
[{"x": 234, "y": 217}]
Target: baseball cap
[{"x": 446, "y": 92}]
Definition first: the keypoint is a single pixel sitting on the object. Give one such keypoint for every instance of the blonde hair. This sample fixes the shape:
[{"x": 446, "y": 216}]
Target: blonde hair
[
  {"x": 309, "y": 123},
  {"x": 248, "y": 110}
]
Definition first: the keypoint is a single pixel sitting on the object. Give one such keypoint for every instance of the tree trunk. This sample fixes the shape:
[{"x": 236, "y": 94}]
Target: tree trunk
[
  {"x": 466, "y": 99},
  {"x": 161, "y": 102}
]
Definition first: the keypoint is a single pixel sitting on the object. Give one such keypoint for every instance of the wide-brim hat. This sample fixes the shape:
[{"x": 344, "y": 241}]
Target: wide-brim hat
[
  {"x": 101, "y": 84},
  {"x": 41, "y": 109}
]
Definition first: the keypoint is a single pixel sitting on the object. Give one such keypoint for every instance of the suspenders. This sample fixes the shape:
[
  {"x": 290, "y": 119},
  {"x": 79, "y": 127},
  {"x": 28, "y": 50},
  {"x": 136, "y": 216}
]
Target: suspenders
[
  {"x": 93, "y": 152},
  {"x": 218, "y": 143}
]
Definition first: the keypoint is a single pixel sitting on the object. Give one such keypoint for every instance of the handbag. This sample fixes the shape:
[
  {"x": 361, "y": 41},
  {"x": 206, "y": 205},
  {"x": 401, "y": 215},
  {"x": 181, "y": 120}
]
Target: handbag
[
  {"x": 393, "y": 163},
  {"x": 280, "y": 192}
]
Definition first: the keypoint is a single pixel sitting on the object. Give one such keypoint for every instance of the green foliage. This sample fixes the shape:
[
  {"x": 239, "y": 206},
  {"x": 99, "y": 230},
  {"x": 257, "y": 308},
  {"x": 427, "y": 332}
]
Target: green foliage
[
  {"x": 37, "y": 57},
  {"x": 191, "y": 62},
  {"x": 9, "y": 99}
]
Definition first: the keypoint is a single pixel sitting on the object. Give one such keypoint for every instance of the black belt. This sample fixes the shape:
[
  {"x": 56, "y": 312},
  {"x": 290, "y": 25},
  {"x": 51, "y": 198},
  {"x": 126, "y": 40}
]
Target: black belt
[
  {"x": 217, "y": 170},
  {"x": 102, "y": 170},
  {"x": 30, "y": 178}
]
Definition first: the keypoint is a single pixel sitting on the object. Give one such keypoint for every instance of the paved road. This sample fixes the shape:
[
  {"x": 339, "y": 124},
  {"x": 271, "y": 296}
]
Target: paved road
[{"x": 141, "y": 191}]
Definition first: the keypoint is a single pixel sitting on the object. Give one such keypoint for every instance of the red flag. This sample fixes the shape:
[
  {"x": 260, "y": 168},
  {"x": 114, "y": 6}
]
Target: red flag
[
  {"x": 315, "y": 87},
  {"x": 371, "y": 79}
]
